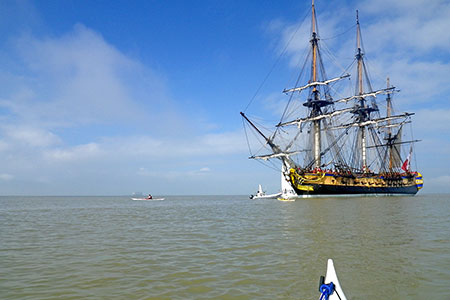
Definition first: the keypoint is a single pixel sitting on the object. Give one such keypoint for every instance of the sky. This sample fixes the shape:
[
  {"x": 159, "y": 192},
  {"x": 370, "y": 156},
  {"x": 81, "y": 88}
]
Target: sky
[{"x": 116, "y": 97}]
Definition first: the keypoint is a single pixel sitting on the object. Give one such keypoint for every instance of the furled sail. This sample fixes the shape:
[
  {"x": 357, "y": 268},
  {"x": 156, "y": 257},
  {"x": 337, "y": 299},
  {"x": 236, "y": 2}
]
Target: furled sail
[{"x": 315, "y": 83}]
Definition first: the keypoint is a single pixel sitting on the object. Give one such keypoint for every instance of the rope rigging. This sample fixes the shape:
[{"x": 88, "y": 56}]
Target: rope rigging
[{"x": 276, "y": 62}]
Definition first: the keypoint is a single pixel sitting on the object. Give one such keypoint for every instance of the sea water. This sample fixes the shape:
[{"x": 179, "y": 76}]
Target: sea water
[{"x": 223, "y": 247}]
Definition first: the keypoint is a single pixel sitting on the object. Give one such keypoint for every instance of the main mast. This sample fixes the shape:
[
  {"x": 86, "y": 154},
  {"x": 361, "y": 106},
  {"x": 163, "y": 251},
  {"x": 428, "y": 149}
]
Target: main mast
[{"x": 361, "y": 110}]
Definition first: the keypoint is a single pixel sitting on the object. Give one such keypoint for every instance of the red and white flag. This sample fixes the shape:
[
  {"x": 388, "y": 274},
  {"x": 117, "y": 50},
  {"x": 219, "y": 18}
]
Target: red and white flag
[{"x": 407, "y": 163}]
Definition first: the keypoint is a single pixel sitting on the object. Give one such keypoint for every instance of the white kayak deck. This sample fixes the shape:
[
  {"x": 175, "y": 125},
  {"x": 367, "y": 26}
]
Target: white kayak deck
[{"x": 331, "y": 276}]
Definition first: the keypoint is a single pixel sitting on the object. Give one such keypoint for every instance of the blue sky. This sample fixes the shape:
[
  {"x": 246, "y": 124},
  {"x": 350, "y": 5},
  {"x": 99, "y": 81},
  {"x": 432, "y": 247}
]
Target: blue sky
[{"x": 113, "y": 97}]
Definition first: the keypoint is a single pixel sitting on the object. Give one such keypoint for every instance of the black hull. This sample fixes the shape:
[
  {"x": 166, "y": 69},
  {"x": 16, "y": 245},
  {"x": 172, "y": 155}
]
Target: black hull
[{"x": 322, "y": 189}]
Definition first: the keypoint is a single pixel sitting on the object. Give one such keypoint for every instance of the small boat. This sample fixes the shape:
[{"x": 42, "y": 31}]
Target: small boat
[
  {"x": 147, "y": 199},
  {"x": 287, "y": 192},
  {"x": 329, "y": 286},
  {"x": 260, "y": 194}
]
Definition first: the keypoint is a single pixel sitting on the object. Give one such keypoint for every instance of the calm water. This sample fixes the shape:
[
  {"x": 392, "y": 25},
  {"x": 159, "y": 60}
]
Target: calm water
[{"x": 223, "y": 247}]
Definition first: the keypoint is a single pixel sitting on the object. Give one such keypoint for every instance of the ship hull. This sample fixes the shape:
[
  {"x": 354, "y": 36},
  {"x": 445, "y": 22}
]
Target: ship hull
[
  {"x": 323, "y": 183},
  {"x": 322, "y": 189}
]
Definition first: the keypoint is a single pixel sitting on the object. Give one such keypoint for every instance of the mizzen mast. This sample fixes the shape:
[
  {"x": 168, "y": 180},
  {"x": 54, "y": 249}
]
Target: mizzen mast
[{"x": 389, "y": 131}]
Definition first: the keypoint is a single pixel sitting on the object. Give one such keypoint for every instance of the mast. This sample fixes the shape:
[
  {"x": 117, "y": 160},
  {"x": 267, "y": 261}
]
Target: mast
[
  {"x": 360, "y": 91},
  {"x": 359, "y": 57},
  {"x": 318, "y": 98},
  {"x": 314, "y": 45},
  {"x": 362, "y": 110},
  {"x": 316, "y": 110},
  {"x": 388, "y": 115}
]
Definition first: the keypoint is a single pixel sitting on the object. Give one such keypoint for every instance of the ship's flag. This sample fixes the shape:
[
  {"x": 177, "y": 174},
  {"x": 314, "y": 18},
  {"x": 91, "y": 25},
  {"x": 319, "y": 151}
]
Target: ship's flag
[{"x": 407, "y": 163}]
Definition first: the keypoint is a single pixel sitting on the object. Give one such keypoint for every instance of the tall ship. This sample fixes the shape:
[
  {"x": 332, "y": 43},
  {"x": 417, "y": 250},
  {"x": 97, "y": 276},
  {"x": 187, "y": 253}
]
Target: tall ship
[{"x": 331, "y": 143}]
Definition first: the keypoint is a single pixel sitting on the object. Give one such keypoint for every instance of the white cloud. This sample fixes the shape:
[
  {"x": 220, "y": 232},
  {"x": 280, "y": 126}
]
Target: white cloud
[
  {"x": 221, "y": 143},
  {"x": 80, "y": 79},
  {"x": 30, "y": 137},
  {"x": 214, "y": 144},
  {"x": 173, "y": 174},
  {"x": 143, "y": 172},
  {"x": 67, "y": 97},
  {"x": 419, "y": 25},
  {"x": 419, "y": 81},
  {"x": 6, "y": 177},
  {"x": 77, "y": 153},
  {"x": 402, "y": 40}
]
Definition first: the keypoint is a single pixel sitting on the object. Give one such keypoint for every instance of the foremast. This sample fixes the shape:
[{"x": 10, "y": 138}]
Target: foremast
[
  {"x": 319, "y": 103},
  {"x": 315, "y": 109},
  {"x": 315, "y": 103},
  {"x": 318, "y": 99}
]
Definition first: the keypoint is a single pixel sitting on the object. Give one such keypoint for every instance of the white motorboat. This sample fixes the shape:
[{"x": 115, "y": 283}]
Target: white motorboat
[{"x": 260, "y": 194}]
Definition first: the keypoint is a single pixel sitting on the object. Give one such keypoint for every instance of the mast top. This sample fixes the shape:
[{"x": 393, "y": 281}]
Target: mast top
[{"x": 313, "y": 21}]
